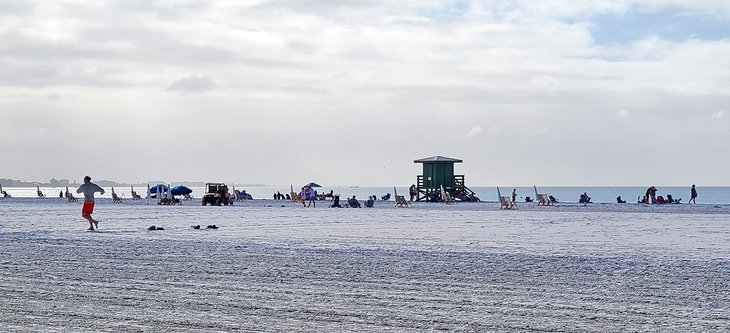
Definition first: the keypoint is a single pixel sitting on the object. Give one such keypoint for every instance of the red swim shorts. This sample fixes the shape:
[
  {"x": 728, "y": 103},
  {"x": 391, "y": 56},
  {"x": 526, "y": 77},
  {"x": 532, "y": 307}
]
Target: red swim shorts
[{"x": 88, "y": 207}]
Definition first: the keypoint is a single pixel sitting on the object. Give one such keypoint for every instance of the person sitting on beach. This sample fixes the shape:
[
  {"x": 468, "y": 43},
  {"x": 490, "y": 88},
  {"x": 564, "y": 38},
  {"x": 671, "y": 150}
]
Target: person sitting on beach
[
  {"x": 370, "y": 203},
  {"x": 552, "y": 199},
  {"x": 6, "y": 195},
  {"x": 528, "y": 199},
  {"x": 386, "y": 197},
  {"x": 336, "y": 202},
  {"x": 584, "y": 198},
  {"x": 353, "y": 203},
  {"x": 671, "y": 199},
  {"x": 619, "y": 200},
  {"x": 660, "y": 200}
]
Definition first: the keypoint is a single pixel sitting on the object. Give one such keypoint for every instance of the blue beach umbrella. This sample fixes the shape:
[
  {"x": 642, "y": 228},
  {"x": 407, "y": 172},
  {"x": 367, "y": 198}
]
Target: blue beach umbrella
[
  {"x": 181, "y": 190},
  {"x": 153, "y": 189}
]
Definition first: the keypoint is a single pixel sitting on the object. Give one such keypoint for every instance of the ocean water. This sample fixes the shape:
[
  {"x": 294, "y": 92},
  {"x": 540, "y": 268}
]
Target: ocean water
[{"x": 598, "y": 194}]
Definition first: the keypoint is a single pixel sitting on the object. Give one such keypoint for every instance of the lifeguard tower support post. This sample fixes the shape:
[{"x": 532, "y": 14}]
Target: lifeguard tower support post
[{"x": 439, "y": 171}]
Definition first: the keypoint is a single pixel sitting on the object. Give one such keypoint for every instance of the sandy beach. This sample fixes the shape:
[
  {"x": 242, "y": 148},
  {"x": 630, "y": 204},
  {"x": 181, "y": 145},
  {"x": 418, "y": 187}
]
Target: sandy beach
[{"x": 466, "y": 267}]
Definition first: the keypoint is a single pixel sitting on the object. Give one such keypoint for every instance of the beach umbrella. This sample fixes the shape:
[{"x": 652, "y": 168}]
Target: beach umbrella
[
  {"x": 162, "y": 187},
  {"x": 312, "y": 185},
  {"x": 181, "y": 190}
]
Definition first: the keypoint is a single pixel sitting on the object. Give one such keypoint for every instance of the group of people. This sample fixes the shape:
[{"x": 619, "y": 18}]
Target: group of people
[
  {"x": 651, "y": 197},
  {"x": 308, "y": 196},
  {"x": 279, "y": 196}
]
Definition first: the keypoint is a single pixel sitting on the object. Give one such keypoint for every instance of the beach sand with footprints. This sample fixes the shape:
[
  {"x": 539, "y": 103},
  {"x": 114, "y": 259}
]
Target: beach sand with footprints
[{"x": 463, "y": 267}]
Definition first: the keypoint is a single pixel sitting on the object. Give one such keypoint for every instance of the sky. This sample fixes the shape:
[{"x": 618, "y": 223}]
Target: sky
[{"x": 550, "y": 92}]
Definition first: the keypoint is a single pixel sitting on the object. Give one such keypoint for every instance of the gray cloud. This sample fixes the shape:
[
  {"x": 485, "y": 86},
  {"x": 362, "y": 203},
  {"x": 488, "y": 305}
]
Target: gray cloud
[{"x": 192, "y": 84}]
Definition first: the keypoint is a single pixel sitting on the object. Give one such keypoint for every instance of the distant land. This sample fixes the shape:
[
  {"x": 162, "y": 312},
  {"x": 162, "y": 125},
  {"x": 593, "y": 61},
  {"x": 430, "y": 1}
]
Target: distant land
[{"x": 105, "y": 183}]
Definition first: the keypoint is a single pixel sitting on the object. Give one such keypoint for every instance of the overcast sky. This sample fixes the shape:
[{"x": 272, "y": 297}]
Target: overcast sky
[{"x": 550, "y": 92}]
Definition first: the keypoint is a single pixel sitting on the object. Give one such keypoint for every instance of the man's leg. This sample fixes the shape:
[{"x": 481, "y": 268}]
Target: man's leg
[{"x": 88, "y": 218}]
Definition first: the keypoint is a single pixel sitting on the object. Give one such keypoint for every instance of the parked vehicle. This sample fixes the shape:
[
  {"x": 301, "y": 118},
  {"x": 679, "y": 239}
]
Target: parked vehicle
[{"x": 216, "y": 194}]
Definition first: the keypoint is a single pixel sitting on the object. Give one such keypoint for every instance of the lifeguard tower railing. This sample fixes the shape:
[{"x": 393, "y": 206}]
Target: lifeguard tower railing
[{"x": 429, "y": 192}]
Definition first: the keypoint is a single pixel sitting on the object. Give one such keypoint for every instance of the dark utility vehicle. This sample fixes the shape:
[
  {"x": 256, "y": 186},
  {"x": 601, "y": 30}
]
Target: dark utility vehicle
[{"x": 216, "y": 194}]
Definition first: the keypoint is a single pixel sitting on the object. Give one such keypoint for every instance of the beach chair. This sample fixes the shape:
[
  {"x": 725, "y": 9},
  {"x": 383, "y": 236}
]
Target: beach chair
[
  {"x": 115, "y": 197},
  {"x": 70, "y": 197},
  {"x": 40, "y": 194},
  {"x": 544, "y": 200},
  {"x": 400, "y": 201},
  {"x": 506, "y": 203},
  {"x": 446, "y": 197},
  {"x": 136, "y": 196}
]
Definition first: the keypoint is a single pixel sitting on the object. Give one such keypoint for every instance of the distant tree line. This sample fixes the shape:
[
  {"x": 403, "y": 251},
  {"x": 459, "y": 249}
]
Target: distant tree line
[{"x": 53, "y": 182}]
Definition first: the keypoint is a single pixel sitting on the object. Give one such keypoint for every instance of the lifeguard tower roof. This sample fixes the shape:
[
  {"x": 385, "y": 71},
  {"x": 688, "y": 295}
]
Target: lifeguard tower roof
[{"x": 438, "y": 159}]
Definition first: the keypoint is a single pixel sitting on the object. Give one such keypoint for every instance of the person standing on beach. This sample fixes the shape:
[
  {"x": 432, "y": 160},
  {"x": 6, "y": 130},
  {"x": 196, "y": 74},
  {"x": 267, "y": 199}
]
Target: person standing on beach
[
  {"x": 88, "y": 189},
  {"x": 313, "y": 197},
  {"x": 303, "y": 196},
  {"x": 693, "y": 195},
  {"x": 413, "y": 192},
  {"x": 514, "y": 195}
]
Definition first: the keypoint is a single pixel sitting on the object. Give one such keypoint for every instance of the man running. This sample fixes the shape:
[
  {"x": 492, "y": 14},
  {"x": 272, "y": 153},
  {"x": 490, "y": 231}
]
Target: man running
[{"x": 88, "y": 189}]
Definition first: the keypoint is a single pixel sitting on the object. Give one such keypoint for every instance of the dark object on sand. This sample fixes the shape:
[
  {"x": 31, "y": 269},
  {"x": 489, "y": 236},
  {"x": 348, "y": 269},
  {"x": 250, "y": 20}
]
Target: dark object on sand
[
  {"x": 584, "y": 199},
  {"x": 155, "y": 228},
  {"x": 211, "y": 226},
  {"x": 528, "y": 199},
  {"x": 196, "y": 226},
  {"x": 619, "y": 200}
]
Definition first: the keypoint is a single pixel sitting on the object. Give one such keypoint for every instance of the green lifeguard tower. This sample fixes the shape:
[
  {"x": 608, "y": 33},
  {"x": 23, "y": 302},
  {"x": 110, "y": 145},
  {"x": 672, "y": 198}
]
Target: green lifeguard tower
[{"x": 439, "y": 171}]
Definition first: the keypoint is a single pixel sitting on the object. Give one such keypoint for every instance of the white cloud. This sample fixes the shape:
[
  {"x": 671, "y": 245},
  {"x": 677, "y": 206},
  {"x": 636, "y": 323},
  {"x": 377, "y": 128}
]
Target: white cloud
[
  {"x": 192, "y": 84},
  {"x": 476, "y": 131},
  {"x": 718, "y": 115},
  {"x": 623, "y": 114}
]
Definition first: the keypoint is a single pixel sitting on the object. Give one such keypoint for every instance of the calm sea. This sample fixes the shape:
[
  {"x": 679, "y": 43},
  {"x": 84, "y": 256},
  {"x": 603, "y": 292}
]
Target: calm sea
[{"x": 601, "y": 194}]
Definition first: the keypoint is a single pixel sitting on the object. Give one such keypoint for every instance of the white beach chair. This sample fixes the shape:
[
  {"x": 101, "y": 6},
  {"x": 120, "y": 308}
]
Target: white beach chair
[
  {"x": 400, "y": 201},
  {"x": 446, "y": 197},
  {"x": 115, "y": 197},
  {"x": 506, "y": 203},
  {"x": 544, "y": 200}
]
